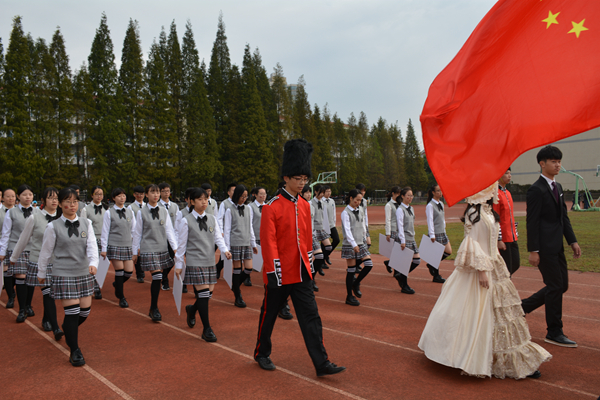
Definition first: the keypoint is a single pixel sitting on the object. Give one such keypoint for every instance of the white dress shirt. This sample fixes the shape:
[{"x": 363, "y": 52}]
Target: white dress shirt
[
  {"x": 400, "y": 222},
  {"x": 227, "y": 228},
  {"x": 6, "y": 230},
  {"x": 139, "y": 230},
  {"x": 106, "y": 228},
  {"x": 390, "y": 212},
  {"x": 26, "y": 236},
  {"x": 429, "y": 214},
  {"x": 182, "y": 234},
  {"x": 221, "y": 214},
  {"x": 346, "y": 225}
]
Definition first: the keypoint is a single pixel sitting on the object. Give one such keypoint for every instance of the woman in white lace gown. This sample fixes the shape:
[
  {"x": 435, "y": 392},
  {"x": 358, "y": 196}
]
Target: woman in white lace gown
[{"x": 477, "y": 324}]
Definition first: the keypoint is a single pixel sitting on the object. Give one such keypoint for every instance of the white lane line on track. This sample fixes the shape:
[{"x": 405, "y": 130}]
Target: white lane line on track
[
  {"x": 564, "y": 388},
  {"x": 86, "y": 367}
]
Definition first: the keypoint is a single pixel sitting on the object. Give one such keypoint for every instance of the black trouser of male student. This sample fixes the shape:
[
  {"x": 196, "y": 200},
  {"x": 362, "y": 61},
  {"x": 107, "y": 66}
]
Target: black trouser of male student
[
  {"x": 511, "y": 257},
  {"x": 556, "y": 278},
  {"x": 138, "y": 270},
  {"x": 307, "y": 313}
]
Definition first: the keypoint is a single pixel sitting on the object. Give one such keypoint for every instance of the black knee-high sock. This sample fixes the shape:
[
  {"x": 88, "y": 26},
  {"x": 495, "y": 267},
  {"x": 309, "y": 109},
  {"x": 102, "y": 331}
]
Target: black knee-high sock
[
  {"x": 236, "y": 281},
  {"x": 83, "y": 314},
  {"x": 246, "y": 273},
  {"x": 21, "y": 293},
  {"x": 119, "y": 283},
  {"x": 165, "y": 275},
  {"x": 318, "y": 262},
  {"x": 71, "y": 326},
  {"x": 155, "y": 289},
  {"x": 9, "y": 284},
  {"x": 368, "y": 265},
  {"x": 445, "y": 255},
  {"x": 30, "y": 290},
  {"x": 433, "y": 271},
  {"x": 327, "y": 250},
  {"x": 126, "y": 276},
  {"x": 96, "y": 286},
  {"x": 202, "y": 306},
  {"x": 350, "y": 271},
  {"x": 415, "y": 263},
  {"x": 49, "y": 308}
]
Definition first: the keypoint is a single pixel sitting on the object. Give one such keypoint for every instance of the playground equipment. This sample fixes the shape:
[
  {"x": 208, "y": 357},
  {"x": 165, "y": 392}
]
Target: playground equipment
[
  {"x": 586, "y": 193},
  {"x": 324, "y": 177}
]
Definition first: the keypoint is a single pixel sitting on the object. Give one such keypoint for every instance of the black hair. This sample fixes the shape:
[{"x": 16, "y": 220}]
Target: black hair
[
  {"x": 47, "y": 192},
  {"x": 74, "y": 187},
  {"x": 97, "y": 187},
  {"x": 305, "y": 189},
  {"x": 6, "y": 190},
  {"x": 255, "y": 191},
  {"x": 549, "y": 153},
  {"x": 164, "y": 185},
  {"x": 325, "y": 188},
  {"x": 197, "y": 193},
  {"x": 393, "y": 190},
  {"x": 1, "y": 189},
  {"x": 405, "y": 190},
  {"x": 430, "y": 192},
  {"x": 23, "y": 188},
  {"x": 187, "y": 192},
  {"x": 229, "y": 186},
  {"x": 138, "y": 189},
  {"x": 67, "y": 193},
  {"x": 352, "y": 194},
  {"x": 237, "y": 194},
  {"x": 361, "y": 187},
  {"x": 509, "y": 169},
  {"x": 152, "y": 187},
  {"x": 117, "y": 191},
  {"x": 206, "y": 186},
  {"x": 317, "y": 189},
  {"x": 476, "y": 216}
]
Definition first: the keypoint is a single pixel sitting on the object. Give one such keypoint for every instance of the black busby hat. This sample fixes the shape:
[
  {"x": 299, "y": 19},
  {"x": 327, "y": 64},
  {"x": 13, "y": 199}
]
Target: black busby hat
[{"x": 297, "y": 154}]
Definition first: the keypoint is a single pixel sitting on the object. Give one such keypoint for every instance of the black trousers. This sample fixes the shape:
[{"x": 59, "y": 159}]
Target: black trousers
[
  {"x": 511, "y": 256},
  {"x": 307, "y": 313},
  {"x": 335, "y": 238},
  {"x": 556, "y": 278}
]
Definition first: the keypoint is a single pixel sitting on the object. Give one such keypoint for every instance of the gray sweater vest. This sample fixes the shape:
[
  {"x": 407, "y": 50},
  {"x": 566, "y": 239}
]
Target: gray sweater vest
[
  {"x": 119, "y": 234},
  {"x": 393, "y": 221},
  {"x": 330, "y": 211},
  {"x": 97, "y": 219},
  {"x": 438, "y": 219},
  {"x": 318, "y": 219},
  {"x": 154, "y": 235},
  {"x": 256, "y": 220},
  {"x": 200, "y": 248},
  {"x": 212, "y": 205},
  {"x": 135, "y": 208},
  {"x": 185, "y": 211},
  {"x": 240, "y": 227},
  {"x": 173, "y": 208},
  {"x": 356, "y": 227},
  {"x": 70, "y": 253},
  {"x": 409, "y": 224},
  {"x": 80, "y": 207},
  {"x": 18, "y": 223},
  {"x": 2, "y": 215},
  {"x": 37, "y": 236}
]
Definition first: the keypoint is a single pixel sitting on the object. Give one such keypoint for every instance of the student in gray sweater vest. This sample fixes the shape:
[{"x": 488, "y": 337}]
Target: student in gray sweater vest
[
  {"x": 321, "y": 229},
  {"x": 316, "y": 245},
  {"x": 331, "y": 213},
  {"x": 354, "y": 246},
  {"x": 14, "y": 222},
  {"x": 391, "y": 228},
  {"x": 95, "y": 213},
  {"x": 174, "y": 215},
  {"x": 225, "y": 204},
  {"x": 32, "y": 238},
  {"x": 118, "y": 226},
  {"x": 405, "y": 223},
  {"x": 138, "y": 203},
  {"x": 70, "y": 240},
  {"x": 153, "y": 229},
  {"x": 198, "y": 232},
  {"x": 211, "y": 209},
  {"x": 259, "y": 195},
  {"x": 436, "y": 224},
  {"x": 9, "y": 197},
  {"x": 239, "y": 238}
]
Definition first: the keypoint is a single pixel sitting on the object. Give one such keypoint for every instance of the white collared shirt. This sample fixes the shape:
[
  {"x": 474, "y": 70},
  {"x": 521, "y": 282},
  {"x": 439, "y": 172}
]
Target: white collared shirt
[
  {"x": 227, "y": 227},
  {"x": 7, "y": 229},
  {"x": 106, "y": 227},
  {"x": 429, "y": 214},
  {"x": 182, "y": 234},
  {"x": 400, "y": 222},
  {"x": 26, "y": 235},
  {"x": 347, "y": 227},
  {"x": 139, "y": 230}
]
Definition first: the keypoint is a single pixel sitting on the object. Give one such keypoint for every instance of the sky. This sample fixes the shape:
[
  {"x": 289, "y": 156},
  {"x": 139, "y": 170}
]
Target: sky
[{"x": 375, "y": 56}]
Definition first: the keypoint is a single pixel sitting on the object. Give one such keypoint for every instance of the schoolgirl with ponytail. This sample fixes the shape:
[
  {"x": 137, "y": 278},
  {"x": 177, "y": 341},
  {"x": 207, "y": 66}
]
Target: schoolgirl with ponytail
[{"x": 436, "y": 224}]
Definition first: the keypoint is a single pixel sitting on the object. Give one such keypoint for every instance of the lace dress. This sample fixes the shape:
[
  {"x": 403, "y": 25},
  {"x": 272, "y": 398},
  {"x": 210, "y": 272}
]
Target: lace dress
[{"x": 481, "y": 331}]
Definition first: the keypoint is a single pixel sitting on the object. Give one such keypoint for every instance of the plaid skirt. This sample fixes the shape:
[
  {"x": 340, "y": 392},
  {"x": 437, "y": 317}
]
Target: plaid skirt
[
  {"x": 119, "y": 253},
  {"x": 239, "y": 253},
  {"x": 442, "y": 238},
  {"x": 72, "y": 287},
  {"x": 348, "y": 252},
  {"x": 155, "y": 261},
  {"x": 321, "y": 235},
  {"x": 20, "y": 266},
  {"x": 316, "y": 244},
  {"x": 200, "y": 275},
  {"x": 32, "y": 279}
]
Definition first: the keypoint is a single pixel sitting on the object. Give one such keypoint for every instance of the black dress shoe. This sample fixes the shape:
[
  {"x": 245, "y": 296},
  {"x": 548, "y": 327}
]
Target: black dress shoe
[
  {"x": 438, "y": 279},
  {"x": 330, "y": 369},
  {"x": 58, "y": 334},
  {"x": 387, "y": 266},
  {"x": 165, "y": 286},
  {"x": 356, "y": 290},
  {"x": 155, "y": 315},
  {"x": 328, "y": 261},
  {"x": 208, "y": 335},
  {"x": 97, "y": 295},
  {"x": 76, "y": 359},
  {"x": 535, "y": 375},
  {"x": 560, "y": 340},
  {"x": 320, "y": 271},
  {"x": 285, "y": 313},
  {"x": 10, "y": 303},
  {"x": 407, "y": 289},
  {"x": 325, "y": 266},
  {"x": 29, "y": 311},
  {"x": 265, "y": 363},
  {"x": 123, "y": 303},
  {"x": 315, "y": 287},
  {"x": 248, "y": 281},
  {"x": 184, "y": 290},
  {"x": 239, "y": 302},
  {"x": 191, "y": 315},
  {"x": 22, "y": 316},
  {"x": 47, "y": 326},
  {"x": 351, "y": 300},
  {"x": 140, "y": 280}
]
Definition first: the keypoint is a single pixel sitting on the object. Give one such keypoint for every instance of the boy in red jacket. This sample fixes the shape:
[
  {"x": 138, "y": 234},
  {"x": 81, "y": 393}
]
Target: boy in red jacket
[
  {"x": 507, "y": 239},
  {"x": 286, "y": 241}
]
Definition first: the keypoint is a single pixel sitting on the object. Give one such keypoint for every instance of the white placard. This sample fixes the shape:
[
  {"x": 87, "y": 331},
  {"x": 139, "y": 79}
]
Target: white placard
[
  {"x": 228, "y": 271},
  {"x": 178, "y": 290},
  {"x": 385, "y": 247},
  {"x": 257, "y": 261},
  {"x": 431, "y": 252},
  {"x": 103, "y": 265},
  {"x": 401, "y": 259}
]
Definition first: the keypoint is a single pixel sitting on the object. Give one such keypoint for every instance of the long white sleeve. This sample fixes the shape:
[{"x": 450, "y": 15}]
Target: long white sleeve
[
  {"x": 6, "y": 229},
  {"x": 23, "y": 239},
  {"x": 388, "y": 219},
  {"x": 83, "y": 213},
  {"x": 347, "y": 230},
  {"x": 227, "y": 227},
  {"x": 171, "y": 237},
  {"x": 133, "y": 225},
  {"x": 221, "y": 214},
  {"x": 137, "y": 233},
  {"x": 105, "y": 230},
  {"x": 400, "y": 222},
  {"x": 429, "y": 214},
  {"x": 182, "y": 236},
  {"x": 326, "y": 227},
  {"x": 252, "y": 237},
  {"x": 47, "y": 249},
  {"x": 92, "y": 246},
  {"x": 219, "y": 241}
]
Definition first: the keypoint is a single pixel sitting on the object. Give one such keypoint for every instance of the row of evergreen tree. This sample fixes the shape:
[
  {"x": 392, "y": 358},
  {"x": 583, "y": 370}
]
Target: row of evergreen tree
[{"x": 172, "y": 118}]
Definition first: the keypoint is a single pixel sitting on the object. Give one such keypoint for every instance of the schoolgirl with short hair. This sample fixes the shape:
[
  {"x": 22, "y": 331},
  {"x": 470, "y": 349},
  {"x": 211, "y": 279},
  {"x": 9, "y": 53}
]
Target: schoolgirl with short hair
[
  {"x": 81, "y": 204},
  {"x": 138, "y": 203},
  {"x": 212, "y": 204},
  {"x": 174, "y": 216},
  {"x": 71, "y": 241},
  {"x": 317, "y": 252},
  {"x": 118, "y": 226},
  {"x": 153, "y": 229},
  {"x": 405, "y": 223},
  {"x": 320, "y": 228},
  {"x": 363, "y": 208},
  {"x": 225, "y": 204},
  {"x": 95, "y": 213},
  {"x": 331, "y": 214},
  {"x": 9, "y": 197},
  {"x": 259, "y": 195},
  {"x": 436, "y": 224},
  {"x": 391, "y": 228}
]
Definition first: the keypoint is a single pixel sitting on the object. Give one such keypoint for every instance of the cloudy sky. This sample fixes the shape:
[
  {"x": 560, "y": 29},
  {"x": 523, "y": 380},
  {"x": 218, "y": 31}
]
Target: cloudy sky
[{"x": 374, "y": 56}]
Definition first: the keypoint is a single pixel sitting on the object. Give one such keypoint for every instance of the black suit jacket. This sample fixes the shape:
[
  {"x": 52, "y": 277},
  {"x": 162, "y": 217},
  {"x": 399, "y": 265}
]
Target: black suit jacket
[{"x": 547, "y": 220}]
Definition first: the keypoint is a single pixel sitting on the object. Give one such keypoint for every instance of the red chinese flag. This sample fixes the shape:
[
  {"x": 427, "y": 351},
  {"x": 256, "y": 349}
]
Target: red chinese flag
[{"x": 528, "y": 75}]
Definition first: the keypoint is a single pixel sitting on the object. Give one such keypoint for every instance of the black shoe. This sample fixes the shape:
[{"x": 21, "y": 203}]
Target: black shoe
[
  {"x": 265, "y": 363},
  {"x": 123, "y": 303},
  {"x": 248, "y": 282},
  {"x": 140, "y": 279},
  {"x": 208, "y": 335},
  {"x": 10, "y": 303},
  {"x": 325, "y": 266},
  {"x": 320, "y": 271},
  {"x": 315, "y": 287},
  {"x": 165, "y": 286},
  {"x": 535, "y": 375},
  {"x": 560, "y": 340},
  {"x": 58, "y": 334},
  {"x": 76, "y": 358},
  {"x": 387, "y": 266},
  {"x": 285, "y": 313},
  {"x": 438, "y": 279},
  {"x": 184, "y": 289},
  {"x": 407, "y": 289},
  {"x": 155, "y": 315},
  {"x": 356, "y": 290},
  {"x": 22, "y": 316},
  {"x": 191, "y": 316},
  {"x": 29, "y": 311},
  {"x": 47, "y": 326},
  {"x": 328, "y": 262},
  {"x": 97, "y": 296},
  {"x": 351, "y": 300},
  {"x": 239, "y": 302},
  {"x": 330, "y": 369}
]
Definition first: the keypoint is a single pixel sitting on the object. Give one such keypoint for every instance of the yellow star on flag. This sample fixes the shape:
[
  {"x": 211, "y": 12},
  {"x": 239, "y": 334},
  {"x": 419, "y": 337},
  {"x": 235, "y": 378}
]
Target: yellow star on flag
[
  {"x": 578, "y": 28},
  {"x": 551, "y": 19}
]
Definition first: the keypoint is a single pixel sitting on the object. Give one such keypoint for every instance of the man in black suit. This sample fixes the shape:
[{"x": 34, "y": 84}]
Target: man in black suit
[{"x": 547, "y": 223}]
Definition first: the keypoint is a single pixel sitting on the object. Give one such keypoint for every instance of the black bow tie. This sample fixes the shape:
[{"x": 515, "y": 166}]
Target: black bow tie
[
  {"x": 27, "y": 212},
  {"x": 357, "y": 214},
  {"x": 409, "y": 209},
  {"x": 260, "y": 209},
  {"x": 440, "y": 207},
  {"x": 122, "y": 214},
  {"x": 154, "y": 211},
  {"x": 241, "y": 210},
  {"x": 396, "y": 205},
  {"x": 50, "y": 218},
  {"x": 202, "y": 223},
  {"x": 72, "y": 227},
  {"x": 166, "y": 206},
  {"x": 97, "y": 209},
  {"x": 319, "y": 205},
  {"x": 327, "y": 200}
]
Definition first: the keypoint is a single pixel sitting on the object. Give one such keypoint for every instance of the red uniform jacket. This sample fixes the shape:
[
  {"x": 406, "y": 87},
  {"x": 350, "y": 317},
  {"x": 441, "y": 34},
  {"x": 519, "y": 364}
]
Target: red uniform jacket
[
  {"x": 285, "y": 237},
  {"x": 505, "y": 209}
]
